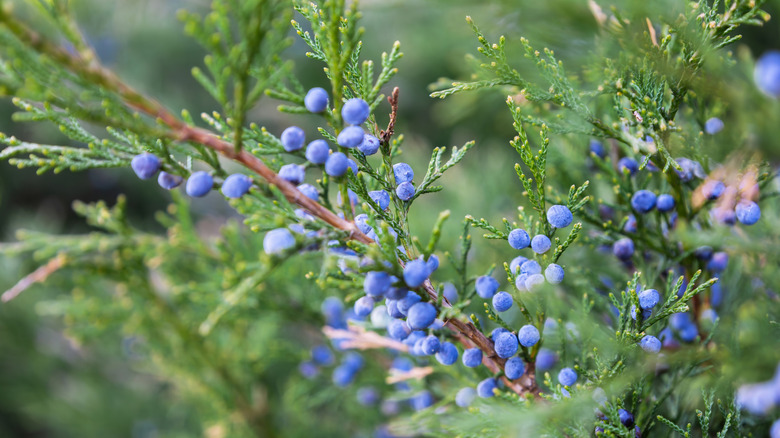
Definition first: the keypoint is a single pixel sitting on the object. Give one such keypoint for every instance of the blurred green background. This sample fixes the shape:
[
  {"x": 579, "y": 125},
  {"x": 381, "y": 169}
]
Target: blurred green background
[{"x": 52, "y": 385}]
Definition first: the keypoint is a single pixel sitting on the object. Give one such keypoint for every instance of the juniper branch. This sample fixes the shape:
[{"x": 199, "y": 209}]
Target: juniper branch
[
  {"x": 177, "y": 129},
  {"x": 181, "y": 131}
]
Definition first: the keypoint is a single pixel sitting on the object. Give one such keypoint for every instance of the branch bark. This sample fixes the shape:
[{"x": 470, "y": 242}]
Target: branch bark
[{"x": 90, "y": 69}]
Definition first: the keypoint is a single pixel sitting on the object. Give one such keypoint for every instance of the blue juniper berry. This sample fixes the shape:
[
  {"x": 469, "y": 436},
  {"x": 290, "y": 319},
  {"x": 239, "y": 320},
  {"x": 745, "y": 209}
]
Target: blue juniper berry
[
  {"x": 362, "y": 224},
  {"x": 713, "y": 125},
  {"x": 506, "y": 345},
  {"x": 554, "y": 273},
  {"x": 643, "y": 201},
  {"x": 650, "y": 344},
  {"x": 519, "y": 239},
  {"x": 767, "y": 73},
  {"x": 145, "y": 165},
  {"x": 367, "y": 396},
  {"x": 421, "y": 315},
  {"x": 404, "y": 304},
  {"x": 392, "y": 309},
  {"x": 545, "y": 359},
  {"x": 623, "y": 248},
  {"x": 422, "y": 400},
  {"x": 528, "y": 335},
  {"x": 718, "y": 262},
  {"x": 350, "y": 137},
  {"x": 628, "y": 164},
  {"x": 690, "y": 169},
  {"x": 486, "y": 286},
  {"x": 559, "y": 216},
  {"x": 502, "y": 301},
  {"x": 364, "y": 305},
  {"x": 236, "y": 185},
  {"x": 540, "y": 244},
  {"x": 396, "y": 293},
  {"x": 332, "y": 308},
  {"x": 448, "y": 353},
  {"x": 450, "y": 292},
  {"x": 381, "y": 197},
  {"x": 292, "y": 138},
  {"x": 292, "y": 173},
  {"x": 664, "y": 203},
  {"x": 405, "y": 191},
  {"x": 355, "y": 111},
  {"x": 534, "y": 281},
  {"x": 316, "y": 100},
  {"x": 626, "y": 417},
  {"x": 199, "y": 184},
  {"x": 472, "y": 357},
  {"x": 278, "y": 240},
  {"x": 169, "y": 181},
  {"x": 336, "y": 164},
  {"x": 520, "y": 282},
  {"x": 317, "y": 152},
  {"x": 376, "y": 283},
  {"x": 398, "y": 330},
  {"x": 514, "y": 265},
  {"x": 648, "y": 298},
  {"x": 343, "y": 376},
  {"x": 748, "y": 212},
  {"x": 703, "y": 253},
  {"x": 431, "y": 345},
  {"x": 567, "y": 377},
  {"x": 531, "y": 267},
  {"x": 514, "y": 368},
  {"x": 403, "y": 173},
  {"x": 465, "y": 397},
  {"x": 352, "y": 165},
  {"x": 631, "y": 225},
  {"x": 486, "y": 387},
  {"x": 432, "y": 263},
  {"x": 308, "y": 369},
  {"x": 416, "y": 272},
  {"x": 369, "y": 145},
  {"x": 322, "y": 355},
  {"x": 712, "y": 189},
  {"x": 497, "y": 331},
  {"x": 597, "y": 148},
  {"x": 310, "y": 191}
]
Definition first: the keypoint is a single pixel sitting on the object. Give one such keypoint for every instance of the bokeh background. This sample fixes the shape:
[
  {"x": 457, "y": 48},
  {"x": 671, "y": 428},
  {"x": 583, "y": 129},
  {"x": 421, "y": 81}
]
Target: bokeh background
[{"x": 53, "y": 385}]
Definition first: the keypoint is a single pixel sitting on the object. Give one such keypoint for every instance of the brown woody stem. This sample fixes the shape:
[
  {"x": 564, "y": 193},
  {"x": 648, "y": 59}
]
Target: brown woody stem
[{"x": 466, "y": 332}]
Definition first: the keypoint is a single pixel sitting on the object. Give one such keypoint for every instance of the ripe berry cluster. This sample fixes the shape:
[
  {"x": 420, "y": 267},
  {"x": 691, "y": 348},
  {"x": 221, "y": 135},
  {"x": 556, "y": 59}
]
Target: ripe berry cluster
[
  {"x": 400, "y": 300},
  {"x": 396, "y": 301},
  {"x": 654, "y": 216},
  {"x": 199, "y": 183},
  {"x": 529, "y": 272}
]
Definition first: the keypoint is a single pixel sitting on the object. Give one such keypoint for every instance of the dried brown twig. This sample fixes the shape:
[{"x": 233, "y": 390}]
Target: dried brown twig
[
  {"x": 362, "y": 339},
  {"x": 386, "y": 134},
  {"x": 37, "y": 276}
]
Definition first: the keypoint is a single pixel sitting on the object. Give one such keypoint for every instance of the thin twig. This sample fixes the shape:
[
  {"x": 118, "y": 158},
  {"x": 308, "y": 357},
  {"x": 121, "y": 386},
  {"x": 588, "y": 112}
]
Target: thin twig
[
  {"x": 387, "y": 133},
  {"x": 651, "y": 29},
  {"x": 37, "y": 276},
  {"x": 362, "y": 339},
  {"x": 415, "y": 373}
]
